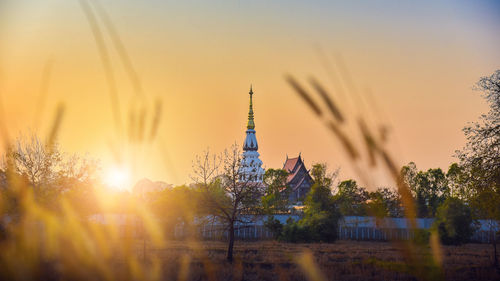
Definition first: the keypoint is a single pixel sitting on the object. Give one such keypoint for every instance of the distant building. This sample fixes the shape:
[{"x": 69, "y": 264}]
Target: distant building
[
  {"x": 299, "y": 181},
  {"x": 251, "y": 165},
  {"x": 145, "y": 186}
]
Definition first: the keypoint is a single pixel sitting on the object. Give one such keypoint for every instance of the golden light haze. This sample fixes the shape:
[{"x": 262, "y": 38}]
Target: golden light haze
[{"x": 420, "y": 61}]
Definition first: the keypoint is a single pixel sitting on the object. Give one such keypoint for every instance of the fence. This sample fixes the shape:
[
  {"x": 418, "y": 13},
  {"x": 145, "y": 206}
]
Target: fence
[
  {"x": 376, "y": 234},
  {"x": 247, "y": 232},
  {"x": 350, "y": 228}
]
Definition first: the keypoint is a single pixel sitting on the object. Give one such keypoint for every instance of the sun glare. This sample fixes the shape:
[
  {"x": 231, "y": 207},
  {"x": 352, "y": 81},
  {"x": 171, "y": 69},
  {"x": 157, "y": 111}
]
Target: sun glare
[{"x": 117, "y": 178}]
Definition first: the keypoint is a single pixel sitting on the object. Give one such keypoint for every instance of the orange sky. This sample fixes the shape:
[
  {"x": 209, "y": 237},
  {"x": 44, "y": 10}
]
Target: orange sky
[{"x": 420, "y": 63}]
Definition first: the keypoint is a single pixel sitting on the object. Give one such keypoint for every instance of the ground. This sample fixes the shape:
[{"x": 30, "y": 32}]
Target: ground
[{"x": 344, "y": 260}]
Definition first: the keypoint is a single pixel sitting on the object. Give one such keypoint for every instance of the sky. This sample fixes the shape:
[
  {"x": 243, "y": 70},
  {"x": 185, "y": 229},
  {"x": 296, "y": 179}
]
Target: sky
[{"x": 418, "y": 59}]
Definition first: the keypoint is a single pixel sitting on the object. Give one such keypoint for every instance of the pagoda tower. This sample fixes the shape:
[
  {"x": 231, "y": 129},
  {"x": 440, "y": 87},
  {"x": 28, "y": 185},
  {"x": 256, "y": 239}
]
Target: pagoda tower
[{"x": 251, "y": 165}]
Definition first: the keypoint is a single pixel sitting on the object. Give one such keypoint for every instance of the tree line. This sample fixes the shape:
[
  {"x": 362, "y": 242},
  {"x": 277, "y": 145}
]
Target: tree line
[{"x": 467, "y": 191}]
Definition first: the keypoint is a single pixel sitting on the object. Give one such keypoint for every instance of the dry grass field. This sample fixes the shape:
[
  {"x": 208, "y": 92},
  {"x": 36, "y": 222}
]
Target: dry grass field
[{"x": 344, "y": 260}]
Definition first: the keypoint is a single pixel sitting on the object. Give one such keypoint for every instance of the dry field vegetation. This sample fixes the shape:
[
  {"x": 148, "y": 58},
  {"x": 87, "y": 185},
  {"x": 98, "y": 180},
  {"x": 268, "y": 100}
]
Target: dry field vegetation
[{"x": 343, "y": 260}]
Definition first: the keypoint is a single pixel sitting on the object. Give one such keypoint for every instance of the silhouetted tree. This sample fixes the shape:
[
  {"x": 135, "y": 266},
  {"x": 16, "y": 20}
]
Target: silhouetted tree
[
  {"x": 458, "y": 183},
  {"x": 223, "y": 192},
  {"x": 50, "y": 174},
  {"x": 429, "y": 188},
  {"x": 384, "y": 202},
  {"x": 35, "y": 160},
  {"x": 480, "y": 157}
]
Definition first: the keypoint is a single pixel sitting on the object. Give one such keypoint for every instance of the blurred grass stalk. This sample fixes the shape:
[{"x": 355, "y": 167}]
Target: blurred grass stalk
[
  {"x": 337, "y": 122},
  {"x": 76, "y": 246}
]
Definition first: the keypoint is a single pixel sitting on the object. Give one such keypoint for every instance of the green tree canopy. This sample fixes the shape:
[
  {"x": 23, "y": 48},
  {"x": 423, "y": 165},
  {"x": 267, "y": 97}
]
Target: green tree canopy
[
  {"x": 384, "y": 202},
  {"x": 351, "y": 198},
  {"x": 429, "y": 188},
  {"x": 275, "y": 199},
  {"x": 321, "y": 214},
  {"x": 454, "y": 222}
]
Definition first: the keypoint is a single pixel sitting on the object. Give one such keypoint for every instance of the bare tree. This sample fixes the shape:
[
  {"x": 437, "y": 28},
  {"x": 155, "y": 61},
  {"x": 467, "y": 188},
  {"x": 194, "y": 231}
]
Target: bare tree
[
  {"x": 480, "y": 158},
  {"x": 35, "y": 160},
  {"x": 45, "y": 169},
  {"x": 206, "y": 168},
  {"x": 226, "y": 193}
]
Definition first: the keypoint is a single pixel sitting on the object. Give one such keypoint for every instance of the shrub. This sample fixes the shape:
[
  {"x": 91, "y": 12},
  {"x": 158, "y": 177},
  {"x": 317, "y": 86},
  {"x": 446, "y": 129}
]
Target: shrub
[
  {"x": 321, "y": 214},
  {"x": 321, "y": 226},
  {"x": 454, "y": 222},
  {"x": 274, "y": 226},
  {"x": 421, "y": 236},
  {"x": 294, "y": 232}
]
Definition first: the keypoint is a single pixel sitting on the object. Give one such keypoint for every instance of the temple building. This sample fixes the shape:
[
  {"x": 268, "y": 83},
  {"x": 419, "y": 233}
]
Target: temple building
[
  {"x": 251, "y": 165},
  {"x": 299, "y": 181}
]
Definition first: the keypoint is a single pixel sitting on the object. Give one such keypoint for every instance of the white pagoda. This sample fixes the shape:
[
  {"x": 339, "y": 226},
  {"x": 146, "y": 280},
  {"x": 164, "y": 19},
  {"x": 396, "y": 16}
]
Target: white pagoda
[{"x": 251, "y": 165}]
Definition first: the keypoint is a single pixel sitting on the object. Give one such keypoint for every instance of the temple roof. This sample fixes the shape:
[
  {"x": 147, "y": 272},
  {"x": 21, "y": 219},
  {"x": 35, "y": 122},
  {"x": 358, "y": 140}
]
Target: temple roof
[
  {"x": 293, "y": 166},
  {"x": 290, "y": 164},
  {"x": 250, "y": 143},
  {"x": 251, "y": 165}
]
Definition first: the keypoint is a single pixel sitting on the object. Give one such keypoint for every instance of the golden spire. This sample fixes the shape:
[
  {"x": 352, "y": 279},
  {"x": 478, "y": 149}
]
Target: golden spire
[{"x": 250, "y": 124}]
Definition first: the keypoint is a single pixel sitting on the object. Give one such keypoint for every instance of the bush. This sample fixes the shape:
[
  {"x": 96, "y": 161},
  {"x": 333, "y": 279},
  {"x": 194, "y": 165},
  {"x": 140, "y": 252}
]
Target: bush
[
  {"x": 454, "y": 222},
  {"x": 321, "y": 214},
  {"x": 421, "y": 236},
  {"x": 316, "y": 227},
  {"x": 274, "y": 226},
  {"x": 321, "y": 226},
  {"x": 293, "y": 232}
]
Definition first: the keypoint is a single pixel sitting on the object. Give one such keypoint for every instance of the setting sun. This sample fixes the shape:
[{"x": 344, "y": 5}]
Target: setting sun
[{"x": 117, "y": 178}]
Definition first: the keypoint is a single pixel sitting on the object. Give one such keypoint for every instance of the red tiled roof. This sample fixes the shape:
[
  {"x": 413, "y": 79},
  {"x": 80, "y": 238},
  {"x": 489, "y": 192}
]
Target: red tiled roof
[
  {"x": 290, "y": 164},
  {"x": 297, "y": 172}
]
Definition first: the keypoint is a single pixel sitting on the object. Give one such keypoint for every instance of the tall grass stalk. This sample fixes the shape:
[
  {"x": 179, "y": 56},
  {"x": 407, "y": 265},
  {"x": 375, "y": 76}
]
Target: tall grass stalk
[{"x": 374, "y": 146}]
